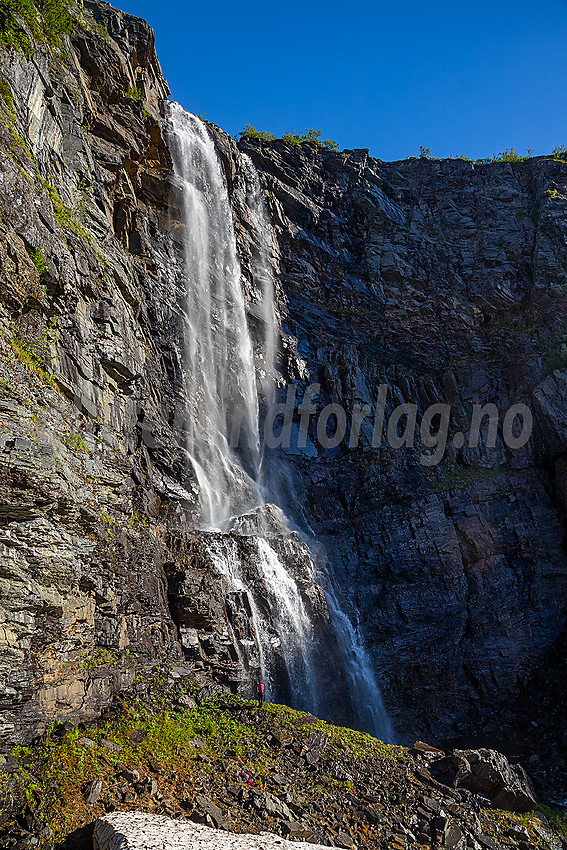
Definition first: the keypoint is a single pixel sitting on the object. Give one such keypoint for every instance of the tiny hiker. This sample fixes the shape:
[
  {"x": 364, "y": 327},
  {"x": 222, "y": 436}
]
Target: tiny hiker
[{"x": 260, "y": 691}]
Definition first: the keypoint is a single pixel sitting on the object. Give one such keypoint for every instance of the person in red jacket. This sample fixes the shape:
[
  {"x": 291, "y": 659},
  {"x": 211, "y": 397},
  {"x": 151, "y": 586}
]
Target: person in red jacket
[{"x": 260, "y": 692}]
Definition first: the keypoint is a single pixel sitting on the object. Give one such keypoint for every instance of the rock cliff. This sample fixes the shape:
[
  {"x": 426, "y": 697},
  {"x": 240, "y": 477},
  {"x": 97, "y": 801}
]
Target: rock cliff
[{"x": 443, "y": 280}]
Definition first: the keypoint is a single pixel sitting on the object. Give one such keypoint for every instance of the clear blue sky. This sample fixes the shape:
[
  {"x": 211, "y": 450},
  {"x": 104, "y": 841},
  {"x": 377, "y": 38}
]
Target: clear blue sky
[{"x": 459, "y": 78}]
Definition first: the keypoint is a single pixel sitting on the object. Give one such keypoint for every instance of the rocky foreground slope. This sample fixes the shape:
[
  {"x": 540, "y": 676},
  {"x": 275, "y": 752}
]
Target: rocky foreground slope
[{"x": 231, "y": 766}]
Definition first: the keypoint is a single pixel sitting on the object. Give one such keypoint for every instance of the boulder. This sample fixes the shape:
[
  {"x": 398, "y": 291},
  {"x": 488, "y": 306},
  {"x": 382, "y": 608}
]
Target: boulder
[
  {"x": 489, "y": 772},
  {"x": 94, "y": 792},
  {"x": 426, "y": 751},
  {"x": 270, "y": 805}
]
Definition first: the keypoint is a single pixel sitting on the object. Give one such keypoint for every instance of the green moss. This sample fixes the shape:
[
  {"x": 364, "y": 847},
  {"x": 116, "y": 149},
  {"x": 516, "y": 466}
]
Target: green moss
[
  {"x": 63, "y": 214},
  {"x": 7, "y": 98},
  {"x": 187, "y": 743},
  {"x": 137, "y": 521},
  {"x": 34, "y": 351},
  {"x": 193, "y": 746},
  {"x": 37, "y": 257},
  {"x": 75, "y": 442},
  {"x": 23, "y": 24},
  {"x": 33, "y": 354},
  {"x": 100, "y": 658},
  {"x": 134, "y": 93},
  {"x": 16, "y": 20},
  {"x": 57, "y": 21},
  {"x": 101, "y": 30}
]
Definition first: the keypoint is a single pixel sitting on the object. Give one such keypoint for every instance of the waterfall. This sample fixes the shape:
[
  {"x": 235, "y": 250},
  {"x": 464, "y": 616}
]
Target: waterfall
[
  {"x": 227, "y": 383},
  {"x": 263, "y": 274},
  {"x": 290, "y": 629},
  {"x": 368, "y": 705},
  {"x": 220, "y": 376},
  {"x": 292, "y": 624}
]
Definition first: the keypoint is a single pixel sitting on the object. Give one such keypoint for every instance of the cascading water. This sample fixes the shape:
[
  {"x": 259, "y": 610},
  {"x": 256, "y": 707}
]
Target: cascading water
[
  {"x": 223, "y": 428},
  {"x": 221, "y": 382},
  {"x": 263, "y": 274},
  {"x": 292, "y": 624},
  {"x": 289, "y": 630}
]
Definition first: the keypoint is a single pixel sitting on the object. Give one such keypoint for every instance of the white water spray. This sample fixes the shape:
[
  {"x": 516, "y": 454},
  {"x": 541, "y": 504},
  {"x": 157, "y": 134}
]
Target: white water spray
[
  {"x": 263, "y": 274},
  {"x": 220, "y": 375}
]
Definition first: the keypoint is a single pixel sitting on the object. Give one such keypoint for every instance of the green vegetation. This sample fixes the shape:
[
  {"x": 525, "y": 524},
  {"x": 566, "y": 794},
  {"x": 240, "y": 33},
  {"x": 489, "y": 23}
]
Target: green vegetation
[
  {"x": 250, "y": 132},
  {"x": 58, "y": 21},
  {"x": 461, "y": 476},
  {"x": 556, "y": 358},
  {"x": 101, "y": 30},
  {"x": 34, "y": 355},
  {"x": 101, "y": 657},
  {"x": 64, "y": 216},
  {"x": 134, "y": 93},
  {"x": 511, "y": 155},
  {"x": 37, "y": 257},
  {"x": 34, "y": 352},
  {"x": 560, "y": 152},
  {"x": 134, "y": 526},
  {"x": 425, "y": 153},
  {"x": 137, "y": 521},
  {"x": 185, "y": 742},
  {"x": 220, "y": 744},
  {"x": 554, "y": 193},
  {"x": 7, "y": 98},
  {"x": 75, "y": 442},
  {"x": 309, "y": 136},
  {"x": 558, "y": 820},
  {"x": 508, "y": 155},
  {"x": 24, "y": 24}
]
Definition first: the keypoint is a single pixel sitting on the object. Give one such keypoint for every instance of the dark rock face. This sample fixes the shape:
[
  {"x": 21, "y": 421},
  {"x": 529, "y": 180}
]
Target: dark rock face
[{"x": 441, "y": 280}]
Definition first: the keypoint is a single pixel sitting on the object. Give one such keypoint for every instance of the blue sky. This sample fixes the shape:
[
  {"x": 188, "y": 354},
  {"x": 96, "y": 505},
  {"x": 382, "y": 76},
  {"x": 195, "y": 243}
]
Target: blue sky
[{"x": 458, "y": 78}]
